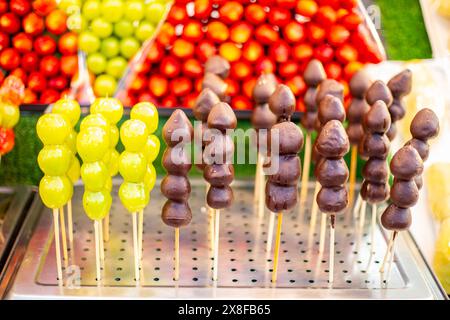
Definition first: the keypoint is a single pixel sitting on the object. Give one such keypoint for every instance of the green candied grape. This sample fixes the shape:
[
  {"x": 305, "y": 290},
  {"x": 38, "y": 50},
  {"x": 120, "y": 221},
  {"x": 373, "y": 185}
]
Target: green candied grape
[
  {"x": 132, "y": 166},
  {"x": 101, "y": 28},
  {"x": 10, "y": 115},
  {"x": 114, "y": 136},
  {"x": 55, "y": 191},
  {"x": 71, "y": 141},
  {"x": 94, "y": 175},
  {"x": 150, "y": 177},
  {"x": 88, "y": 42},
  {"x": 69, "y": 108},
  {"x": 92, "y": 144},
  {"x": 133, "y": 135},
  {"x": 112, "y": 10},
  {"x": 133, "y": 196},
  {"x": 97, "y": 204},
  {"x": 95, "y": 120},
  {"x": 74, "y": 171},
  {"x": 134, "y": 10},
  {"x": 110, "y": 108},
  {"x": 110, "y": 47},
  {"x": 114, "y": 162},
  {"x": 147, "y": 113},
  {"x": 55, "y": 160},
  {"x": 53, "y": 128},
  {"x": 109, "y": 185},
  {"x": 152, "y": 147},
  {"x": 154, "y": 12},
  {"x": 96, "y": 63},
  {"x": 91, "y": 9}
]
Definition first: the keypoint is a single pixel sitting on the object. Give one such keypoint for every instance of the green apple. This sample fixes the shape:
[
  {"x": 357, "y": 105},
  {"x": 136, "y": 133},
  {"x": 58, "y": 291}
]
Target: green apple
[
  {"x": 88, "y": 42},
  {"x": 110, "y": 47},
  {"x": 123, "y": 29},
  {"x": 96, "y": 63},
  {"x": 91, "y": 9},
  {"x": 154, "y": 12},
  {"x": 129, "y": 46},
  {"x": 101, "y": 28},
  {"x": 70, "y": 6},
  {"x": 134, "y": 10},
  {"x": 112, "y": 10},
  {"x": 105, "y": 86},
  {"x": 116, "y": 67},
  {"x": 144, "y": 31}
]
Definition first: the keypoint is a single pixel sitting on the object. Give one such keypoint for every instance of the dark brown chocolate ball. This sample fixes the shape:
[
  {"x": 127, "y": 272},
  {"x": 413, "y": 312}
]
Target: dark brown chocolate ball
[
  {"x": 392, "y": 132},
  {"x": 310, "y": 99},
  {"x": 359, "y": 84},
  {"x": 330, "y": 108},
  {"x": 375, "y": 145},
  {"x": 289, "y": 170},
  {"x": 204, "y": 103},
  {"x": 288, "y": 136},
  {"x": 425, "y": 125},
  {"x": 176, "y": 188},
  {"x": 376, "y": 171},
  {"x": 395, "y": 218},
  {"x": 331, "y": 87},
  {"x": 401, "y": 84},
  {"x": 332, "y": 172},
  {"x": 216, "y": 84},
  {"x": 397, "y": 110},
  {"x": 279, "y": 197},
  {"x": 406, "y": 163},
  {"x": 379, "y": 91},
  {"x": 218, "y": 66},
  {"x": 332, "y": 200},
  {"x": 176, "y": 161},
  {"x": 219, "y": 175},
  {"x": 315, "y": 154},
  {"x": 219, "y": 197},
  {"x": 355, "y": 133},
  {"x": 374, "y": 192},
  {"x": 404, "y": 193},
  {"x": 307, "y": 120},
  {"x": 282, "y": 102},
  {"x": 176, "y": 214},
  {"x": 264, "y": 87},
  {"x": 262, "y": 117},
  {"x": 377, "y": 119},
  {"x": 177, "y": 129},
  {"x": 314, "y": 73},
  {"x": 222, "y": 117},
  {"x": 219, "y": 149},
  {"x": 356, "y": 110},
  {"x": 333, "y": 140},
  {"x": 421, "y": 147}
]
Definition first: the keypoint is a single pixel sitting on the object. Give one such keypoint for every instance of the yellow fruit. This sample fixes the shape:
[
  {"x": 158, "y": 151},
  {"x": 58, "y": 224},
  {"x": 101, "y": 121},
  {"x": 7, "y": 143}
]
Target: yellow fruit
[
  {"x": 94, "y": 175},
  {"x": 74, "y": 171},
  {"x": 94, "y": 120},
  {"x": 55, "y": 191},
  {"x": 113, "y": 162},
  {"x": 108, "y": 185},
  {"x": 92, "y": 144},
  {"x": 441, "y": 261},
  {"x": 69, "y": 108},
  {"x": 110, "y": 108},
  {"x": 97, "y": 204},
  {"x": 71, "y": 141},
  {"x": 150, "y": 177},
  {"x": 114, "y": 136},
  {"x": 55, "y": 160},
  {"x": 133, "y": 196},
  {"x": 133, "y": 134},
  {"x": 152, "y": 147},
  {"x": 10, "y": 115},
  {"x": 52, "y": 128},
  {"x": 147, "y": 113},
  {"x": 438, "y": 185},
  {"x": 132, "y": 166}
]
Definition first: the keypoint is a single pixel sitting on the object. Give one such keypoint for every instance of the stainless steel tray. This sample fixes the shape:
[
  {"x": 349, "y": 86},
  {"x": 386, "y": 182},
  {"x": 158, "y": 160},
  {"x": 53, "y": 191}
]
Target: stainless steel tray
[{"x": 244, "y": 266}]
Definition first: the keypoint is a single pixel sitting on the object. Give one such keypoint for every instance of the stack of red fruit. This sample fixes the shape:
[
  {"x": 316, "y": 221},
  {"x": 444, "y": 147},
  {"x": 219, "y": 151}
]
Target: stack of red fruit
[
  {"x": 279, "y": 36},
  {"x": 36, "y": 47}
]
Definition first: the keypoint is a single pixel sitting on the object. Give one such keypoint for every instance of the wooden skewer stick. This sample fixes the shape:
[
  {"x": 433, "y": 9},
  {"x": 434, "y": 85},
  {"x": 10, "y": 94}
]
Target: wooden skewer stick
[
  {"x": 216, "y": 244},
  {"x": 323, "y": 230},
  {"x": 332, "y": 235},
  {"x": 101, "y": 243},
  {"x": 391, "y": 261},
  {"x": 140, "y": 232},
  {"x": 312, "y": 224},
  {"x": 176, "y": 275},
  {"x": 257, "y": 183},
  {"x": 57, "y": 246},
  {"x": 261, "y": 192},
  {"x": 357, "y": 207},
  {"x": 373, "y": 227},
  {"x": 353, "y": 165},
  {"x": 64, "y": 236},
  {"x": 305, "y": 173},
  {"x": 362, "y": 216},
  {"x": 70, "y": 223},
  {"x": 388, "y": 250},
  {"x": 135, "y": 247},
  {"x": 97, "y": 250},
  {"x": 276, "y": 253},
  {"x": 106, "y": 227},
  {"x": 270, "y": 232}
]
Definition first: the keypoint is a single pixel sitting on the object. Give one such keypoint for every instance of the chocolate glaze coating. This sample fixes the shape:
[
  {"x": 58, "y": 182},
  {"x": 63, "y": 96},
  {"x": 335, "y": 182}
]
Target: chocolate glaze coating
[
  {"x": 314, "y": 73},
  {"x": 218, "y": 66},
  {"x": 280, "y": 198},
  {"x": 204, "y": 103},
  {"x": 397, "y": 110},
  {"x": 392, "y": 132},
  {"x": 282, "y": 102},
  {"x": 176, "y": 214},
  {"x": 262, "y": 117},
  {"x": 307, "y": 120},
  {"x": 419, "y": 181},
  {"x": 374, "y": 192},
  {"x": 421, "y": 147},
  {"x": 401, "y": 84},
  {"x": 425, "y": 125},
  {"x": 219, "y": 198},
  {"x": 377, "y": 119},
  {"x": 379, "y": 91},
  {"x": 375, "y": 171},
  {"x": 177, "y": 128},
  {"x": 356, "y": 110},
  {"x": 395, "y": 218},
  {"x": 331, "y": 87},
  {"x": 317, "y": 125},
  {"x": 359, "y": 84},
  {"x": 219, "y": 175},
  {"x": 219, "y": 148},
  {"x": 310, "y": 99},
  {"x": 331, "y": 172},
  {"x": 406, "y": 163},
  {"x": 264, "y": 87},
  {"x": 404, "y": 193},
  {"x": 222, "y": 117},
  {"x": 290, "y": 137},
  {"x": 176, "y": 188},
  {"x": 332, "y": 200},
  {"x": 289, "y": 170},
  {"x": 375, "y": 145},
  {"x": 332, "y": 141},
  {"x": 182, "y": 163},
  {"x": 315, "y": 154},
  {"x": 355, "y": 133},
  {"x": 216, "y": 84},
  {"x": 330, "y": 108}
]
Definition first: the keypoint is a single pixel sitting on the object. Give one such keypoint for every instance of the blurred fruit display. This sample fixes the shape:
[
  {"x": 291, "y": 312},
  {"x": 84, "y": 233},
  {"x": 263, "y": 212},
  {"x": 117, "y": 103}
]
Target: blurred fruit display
[
  {"x": 279, "y": 36},
  {"x": 37, "y": 47}
]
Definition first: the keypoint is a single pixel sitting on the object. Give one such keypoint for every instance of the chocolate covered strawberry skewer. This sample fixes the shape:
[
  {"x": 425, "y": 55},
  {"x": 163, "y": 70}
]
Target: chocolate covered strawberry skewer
[{"x": 400, "y": 86}]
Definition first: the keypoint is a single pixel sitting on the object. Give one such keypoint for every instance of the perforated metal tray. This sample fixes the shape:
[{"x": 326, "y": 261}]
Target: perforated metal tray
[{"x": 244, "y": 265}]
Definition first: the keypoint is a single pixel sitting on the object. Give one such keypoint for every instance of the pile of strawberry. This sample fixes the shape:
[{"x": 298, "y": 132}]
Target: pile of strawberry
[
  {"x": 36, "y": 47},
  {"x": 279, "y": 36}
]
